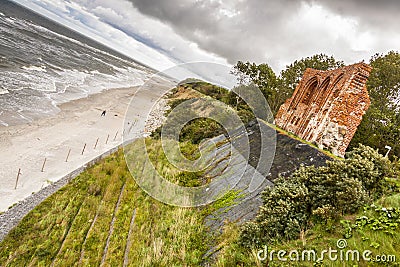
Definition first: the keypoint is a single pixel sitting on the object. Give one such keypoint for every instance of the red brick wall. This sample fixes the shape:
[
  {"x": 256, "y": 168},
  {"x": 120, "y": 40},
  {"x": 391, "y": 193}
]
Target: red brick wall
[{"x": 327, "y": 106}]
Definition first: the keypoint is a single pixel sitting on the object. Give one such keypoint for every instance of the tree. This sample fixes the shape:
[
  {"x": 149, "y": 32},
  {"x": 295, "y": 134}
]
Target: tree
[
  {"x": 261, "y": 75},
  {"x": 291, "y": 76},
  {"x": 381, "y": 123},
  {"x": 277, "y": 89}
]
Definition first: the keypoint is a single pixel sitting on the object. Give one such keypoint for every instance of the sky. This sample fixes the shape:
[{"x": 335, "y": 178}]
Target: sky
[{"x": 163, "y": 33}]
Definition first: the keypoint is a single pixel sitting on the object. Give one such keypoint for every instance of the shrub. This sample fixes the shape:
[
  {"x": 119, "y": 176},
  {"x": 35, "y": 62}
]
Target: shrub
[
  {"x": 324, "y": 193},
  {"x": 199, "y": 129},
  {"x": 189, "y": 179},
  {"x": 370, "y": 167},
  {"x": 283, "y": 214},
  {"x": 331, "y": 186}
]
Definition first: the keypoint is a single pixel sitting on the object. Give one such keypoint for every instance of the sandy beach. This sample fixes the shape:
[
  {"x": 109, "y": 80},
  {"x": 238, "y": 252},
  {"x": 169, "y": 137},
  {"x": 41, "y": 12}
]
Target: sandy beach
[{"x": 46, "y": 143}]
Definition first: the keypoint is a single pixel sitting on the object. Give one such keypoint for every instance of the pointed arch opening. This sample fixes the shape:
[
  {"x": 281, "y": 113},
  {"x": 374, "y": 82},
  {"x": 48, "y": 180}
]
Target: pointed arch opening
[
  {"x": 323, "y": 91},
  {"x": 310, "y": 91},
  {"x": 336, "y": 91}
]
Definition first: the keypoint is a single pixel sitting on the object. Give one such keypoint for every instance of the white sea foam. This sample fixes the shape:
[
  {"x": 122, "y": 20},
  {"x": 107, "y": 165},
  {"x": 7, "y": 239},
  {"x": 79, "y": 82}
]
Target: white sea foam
[
  {"x": 43, "y": 29},
  {"x": 10, "y": 20},
  {"x": 58, "y": 81},
  {"x": 35, "y": 68},
  {"x": 3, "y": 91}
]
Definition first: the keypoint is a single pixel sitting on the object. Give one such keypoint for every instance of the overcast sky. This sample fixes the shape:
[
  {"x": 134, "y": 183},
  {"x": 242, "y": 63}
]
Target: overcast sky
[{"x": 162, "y": 33}]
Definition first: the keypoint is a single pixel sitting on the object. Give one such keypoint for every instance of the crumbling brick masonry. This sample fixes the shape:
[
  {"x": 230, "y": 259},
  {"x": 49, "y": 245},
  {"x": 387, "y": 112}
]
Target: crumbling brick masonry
[{"x": 327, "y": 106}]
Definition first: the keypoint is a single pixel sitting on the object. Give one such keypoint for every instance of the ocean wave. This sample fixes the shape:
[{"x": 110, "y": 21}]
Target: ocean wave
[
  {"x": 3, "y": 91},
  {"x": 35, "y": 68},
  {"x": 41, "y": 69}
]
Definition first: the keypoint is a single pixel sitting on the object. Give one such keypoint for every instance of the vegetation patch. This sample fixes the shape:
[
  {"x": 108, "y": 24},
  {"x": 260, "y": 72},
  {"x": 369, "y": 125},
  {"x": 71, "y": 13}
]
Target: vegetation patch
[
  {"x": 313, "y": 194},
  {"x": 356, "y": 199},
  {"x": 71, "y": 227}
]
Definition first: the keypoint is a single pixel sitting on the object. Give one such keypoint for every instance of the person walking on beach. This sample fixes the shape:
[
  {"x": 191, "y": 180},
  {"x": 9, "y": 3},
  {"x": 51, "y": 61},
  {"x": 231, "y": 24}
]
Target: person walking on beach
[{"x": 103, "y": 114}]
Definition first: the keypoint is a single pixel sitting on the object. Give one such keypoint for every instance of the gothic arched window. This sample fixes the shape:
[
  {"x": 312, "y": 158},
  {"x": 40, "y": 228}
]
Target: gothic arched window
[{"x": 310, "y": 92}]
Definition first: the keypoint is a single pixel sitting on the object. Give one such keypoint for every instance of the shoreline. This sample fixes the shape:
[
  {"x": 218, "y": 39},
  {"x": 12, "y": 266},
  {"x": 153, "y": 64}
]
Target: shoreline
[
  {"x": 27, "y": 146},
  {"x": 11, "y": 218},
  {"x": 63, "y": 108},
  {"x": 55, "y": 144}
]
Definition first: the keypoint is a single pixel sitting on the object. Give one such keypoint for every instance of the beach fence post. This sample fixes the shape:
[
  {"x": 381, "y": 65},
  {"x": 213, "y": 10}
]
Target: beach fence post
[
  {"x": 115, "y": 137},
  {"x": 108, "y": 136},
  {"x": 96, "y": 143},
  {"x": 69, "y": 152},
  {"x": 44, "y": 163},
  {"x": 83, "y": 150},
  {"x": 16, "y": 181}
]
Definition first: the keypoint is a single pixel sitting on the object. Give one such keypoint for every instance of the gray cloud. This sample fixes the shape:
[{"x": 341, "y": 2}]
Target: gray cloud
[
  {"x": 236, "y": 31},
  {"x": 265, "y": 31},
  {"x": 273, "y": 31},
  {"x": 380, "y": 14}
]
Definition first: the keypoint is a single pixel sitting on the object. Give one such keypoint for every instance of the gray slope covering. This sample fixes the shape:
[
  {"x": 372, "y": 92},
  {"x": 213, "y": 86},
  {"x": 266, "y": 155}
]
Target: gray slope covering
[{"x": 290, "y": 154}]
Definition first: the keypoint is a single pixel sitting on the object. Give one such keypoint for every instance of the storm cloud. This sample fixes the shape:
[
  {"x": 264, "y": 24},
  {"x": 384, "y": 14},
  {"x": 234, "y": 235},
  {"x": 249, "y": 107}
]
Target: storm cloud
[
  {"x": 281, "y": 31},
  {"x": 274, "y": 31}
]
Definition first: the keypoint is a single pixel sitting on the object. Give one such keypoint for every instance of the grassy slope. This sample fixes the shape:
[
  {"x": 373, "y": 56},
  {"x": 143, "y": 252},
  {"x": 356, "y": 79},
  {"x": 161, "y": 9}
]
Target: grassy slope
[
  {"x": 103, "y": 217},
  {"x": 89, "y": 223},
  {"x": 72, "y": 227}
]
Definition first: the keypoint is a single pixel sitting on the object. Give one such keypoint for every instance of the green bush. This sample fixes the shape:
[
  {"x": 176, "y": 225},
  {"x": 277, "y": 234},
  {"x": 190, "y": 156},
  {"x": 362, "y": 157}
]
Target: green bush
[
  {"x": 199, "y": 129},
  {"x": 370, "y": 167},
  {"x": 331, "y": 186},
  {"x": 282, "y": 216},
  {"x": 313, "y": 194},
  {"x": 189, "y": 179}
]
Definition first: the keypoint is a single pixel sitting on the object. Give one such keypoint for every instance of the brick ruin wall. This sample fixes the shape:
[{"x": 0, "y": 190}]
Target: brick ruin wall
[{"x": 327, "y": 106}]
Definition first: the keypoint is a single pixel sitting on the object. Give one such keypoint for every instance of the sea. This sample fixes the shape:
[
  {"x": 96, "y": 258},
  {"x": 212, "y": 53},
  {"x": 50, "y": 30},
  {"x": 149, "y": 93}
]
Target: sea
[{"x": 43, "y": 64}]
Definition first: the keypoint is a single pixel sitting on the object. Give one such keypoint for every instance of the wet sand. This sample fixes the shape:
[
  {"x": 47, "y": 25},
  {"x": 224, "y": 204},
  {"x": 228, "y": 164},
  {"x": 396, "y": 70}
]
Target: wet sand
[{"x": 48, "y": 141}]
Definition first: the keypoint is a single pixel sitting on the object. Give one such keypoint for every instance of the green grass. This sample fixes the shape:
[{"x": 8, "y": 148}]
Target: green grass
[
  {"x": 170, "y": 172},
  {"x": 322, "y": 236},
  {"x": 71, "y": 227}
]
